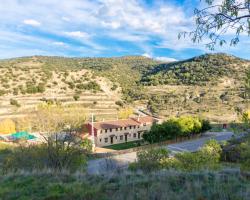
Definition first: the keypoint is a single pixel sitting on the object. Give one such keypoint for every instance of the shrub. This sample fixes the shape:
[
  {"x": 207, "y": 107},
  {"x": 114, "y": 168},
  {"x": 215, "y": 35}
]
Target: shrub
[
  {"x": 41, "y": 87},
  {"x": 119, "y": 103},
  {"x": 206, "y": 126},
  {"x": 2, "y": 92},
  {"x": 149, "y": 160},
  {"x": 57, "y": 155},
  {"x": 15, "y": 91},
  {"x": 114, "y": 87},
  {"x": 208, "y": 157},
  {"x": 76, "y": 97},
  {"x": 14, "y": 103},
  {"x": 173, "y": 128}
]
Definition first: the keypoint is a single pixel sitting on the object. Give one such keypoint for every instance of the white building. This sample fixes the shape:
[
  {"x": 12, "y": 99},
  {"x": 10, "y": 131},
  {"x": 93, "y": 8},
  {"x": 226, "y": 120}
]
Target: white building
[{"x": 120, "y": 131}]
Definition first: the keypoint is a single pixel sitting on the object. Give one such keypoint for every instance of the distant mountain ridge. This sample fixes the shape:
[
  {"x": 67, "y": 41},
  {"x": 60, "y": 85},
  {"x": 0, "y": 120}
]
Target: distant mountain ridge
[{"x": 197, "y": 70}]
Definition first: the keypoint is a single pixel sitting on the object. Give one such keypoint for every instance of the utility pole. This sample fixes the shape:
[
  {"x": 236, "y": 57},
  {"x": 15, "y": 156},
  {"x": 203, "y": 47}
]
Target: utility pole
[{"x": 92, "y": 131}]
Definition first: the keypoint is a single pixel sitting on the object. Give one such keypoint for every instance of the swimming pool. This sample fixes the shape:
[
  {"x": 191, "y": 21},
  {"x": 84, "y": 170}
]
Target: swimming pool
[{"x": 22, "y": 135}]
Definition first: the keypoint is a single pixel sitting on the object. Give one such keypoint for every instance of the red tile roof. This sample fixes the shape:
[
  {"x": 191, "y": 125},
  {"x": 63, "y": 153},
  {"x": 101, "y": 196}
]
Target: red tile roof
[
  {"x": 123, "y": 123},
  {"x": 146, "y": 119}
]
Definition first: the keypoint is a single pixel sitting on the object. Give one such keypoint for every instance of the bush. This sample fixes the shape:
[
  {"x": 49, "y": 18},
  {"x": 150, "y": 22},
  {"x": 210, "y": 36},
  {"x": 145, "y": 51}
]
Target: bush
[
  {"x": 150, "y": 159},
  {"x": 2, "y": 92},
  {"x": 41, "y": 87},
  {"x": 175, "y": 127},
  {"x": 14, "y": 103},
  {"x": 206, "y": 126},
  {"x": 114, "y": 87},
  {"x": 76, "y": 97},
  {"x": 119, "y": 103},
  {"x": 208, "y": 157},
  {"x": 54, "y": 154}
]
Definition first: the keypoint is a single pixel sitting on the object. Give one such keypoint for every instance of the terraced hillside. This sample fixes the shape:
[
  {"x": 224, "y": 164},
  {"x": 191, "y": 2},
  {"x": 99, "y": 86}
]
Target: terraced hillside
[
  {"x": 210, "y": 85},
  {"x": 93, "y": 83}
]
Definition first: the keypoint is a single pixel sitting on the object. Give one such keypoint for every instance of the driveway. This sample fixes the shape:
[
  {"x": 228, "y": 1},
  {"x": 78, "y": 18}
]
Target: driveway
[{"x": 104, "y": 165}]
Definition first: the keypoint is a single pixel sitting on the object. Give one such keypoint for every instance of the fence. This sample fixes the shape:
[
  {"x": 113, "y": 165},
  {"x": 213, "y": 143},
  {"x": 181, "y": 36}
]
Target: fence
[{"x": 148, "y": 146}]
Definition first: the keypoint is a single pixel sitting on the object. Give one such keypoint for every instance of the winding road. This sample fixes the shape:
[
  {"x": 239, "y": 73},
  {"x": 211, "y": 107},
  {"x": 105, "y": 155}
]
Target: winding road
[{"x": 104, "y": 165}]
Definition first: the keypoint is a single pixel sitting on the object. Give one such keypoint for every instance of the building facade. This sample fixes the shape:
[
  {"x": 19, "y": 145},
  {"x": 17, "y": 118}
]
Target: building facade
[{"x": 120, "y": 131}]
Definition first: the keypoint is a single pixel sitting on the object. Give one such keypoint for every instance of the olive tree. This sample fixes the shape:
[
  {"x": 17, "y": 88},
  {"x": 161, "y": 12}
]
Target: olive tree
[
  {"x": 62, "y": 146},
  {"x": 216, "y": 19}
]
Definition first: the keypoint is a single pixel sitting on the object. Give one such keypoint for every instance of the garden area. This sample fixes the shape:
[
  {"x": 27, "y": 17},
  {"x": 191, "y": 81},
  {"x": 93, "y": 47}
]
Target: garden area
[{"x": 126, "y": 145}]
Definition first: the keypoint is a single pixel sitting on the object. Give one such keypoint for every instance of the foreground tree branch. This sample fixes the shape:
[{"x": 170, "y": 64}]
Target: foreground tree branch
[{"x": 231, "y": 17}]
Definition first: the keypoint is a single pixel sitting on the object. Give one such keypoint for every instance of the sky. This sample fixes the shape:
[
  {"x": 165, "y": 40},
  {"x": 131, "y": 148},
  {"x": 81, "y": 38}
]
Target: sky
[{"x": 103, "y": 28}]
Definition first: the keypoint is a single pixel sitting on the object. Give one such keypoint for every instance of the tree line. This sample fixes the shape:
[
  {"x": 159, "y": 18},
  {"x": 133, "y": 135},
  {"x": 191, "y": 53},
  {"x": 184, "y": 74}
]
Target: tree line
[{"x": 176, "y": 127}]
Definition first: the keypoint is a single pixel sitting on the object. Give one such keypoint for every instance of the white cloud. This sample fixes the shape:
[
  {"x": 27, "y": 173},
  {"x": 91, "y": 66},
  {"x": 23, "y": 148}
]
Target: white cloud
[
  {"x": 113, "y": 25},
  {"x": 147, "y": 27},
  {"x": 31, "y": 22},
  {"x": 78, "y": 34},
  {"x": 147, "y": 55},
  {"x": 61, "y": 44},
  {"x": 165, "y": 59}
]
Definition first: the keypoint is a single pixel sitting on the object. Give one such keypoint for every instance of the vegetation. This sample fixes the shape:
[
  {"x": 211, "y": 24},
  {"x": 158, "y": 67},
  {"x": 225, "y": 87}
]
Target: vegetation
[
  {"x": 247, "y": 85},
  {"x": 161, "y": 185},
  {"x": 176, "y": 127},
  {"x": 237, "y": 150},
  {"x": 208, "y": 157},
  {"x": 218, "y": 18},
  {"x": 62, "y": 147},
  {"x": 127, "y": 145},
  {"x": 14, "y": 102},
  {"x": 204, "y": 85},
  {"x": 125, "y": 113},
  {"x": 196, "y": 71}
]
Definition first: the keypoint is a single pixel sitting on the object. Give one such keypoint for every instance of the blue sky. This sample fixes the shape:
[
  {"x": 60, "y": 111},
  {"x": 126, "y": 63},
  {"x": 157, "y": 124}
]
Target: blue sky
[{"x": 102, "y": 28}]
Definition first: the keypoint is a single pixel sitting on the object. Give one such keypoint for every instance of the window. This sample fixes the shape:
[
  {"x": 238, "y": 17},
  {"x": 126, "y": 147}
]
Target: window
[
  {"x": 125, "y": 128},
  {"x": 130, "y": 127},
  {"x": 106, "y": 140},
  {"x": 134, "y": 127},
  {"x": 100, "y": 140},
  {"x": 134, "y": 135},
  {"x": 110, "y": 129},
  {"x": 121, "y": 137},
  {"x": 116, "y": 129},
  {"x": 138, "y": 126},
  {"x": 144, "y": 124},
  {"x": 106, "y": 130},
  {"x": 100, "y": 131},
  {"x": 121, "y": 128}
]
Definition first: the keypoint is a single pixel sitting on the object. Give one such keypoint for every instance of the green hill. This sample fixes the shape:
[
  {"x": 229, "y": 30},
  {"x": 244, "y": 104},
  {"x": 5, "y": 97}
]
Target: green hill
[
  {"x": 210, "y": 84},
  {"x": 197, "y": 71}
]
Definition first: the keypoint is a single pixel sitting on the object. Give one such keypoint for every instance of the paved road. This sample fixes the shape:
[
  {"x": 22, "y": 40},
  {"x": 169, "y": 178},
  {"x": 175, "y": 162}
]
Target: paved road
[{"x": 104, "y": 165}]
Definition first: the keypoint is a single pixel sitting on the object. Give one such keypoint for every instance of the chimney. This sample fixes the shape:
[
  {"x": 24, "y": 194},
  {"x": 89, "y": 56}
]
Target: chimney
[{"x": 138, "y": 118}]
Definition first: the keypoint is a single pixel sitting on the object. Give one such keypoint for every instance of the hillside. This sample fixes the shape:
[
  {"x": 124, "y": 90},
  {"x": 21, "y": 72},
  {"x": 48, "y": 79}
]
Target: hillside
[
  {"x": 197, "y": 71},
  {"x": 211, "y": 85},
  {"x": 94, "y": 83}
]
